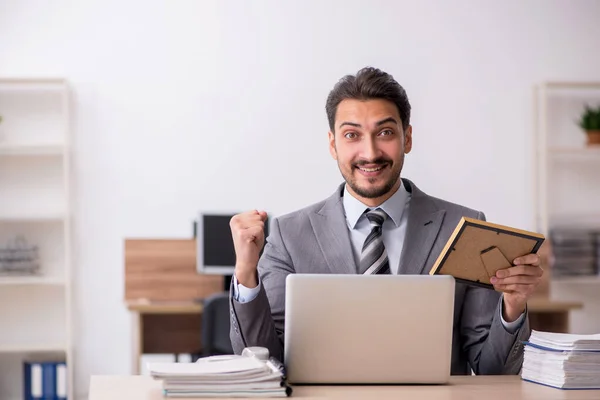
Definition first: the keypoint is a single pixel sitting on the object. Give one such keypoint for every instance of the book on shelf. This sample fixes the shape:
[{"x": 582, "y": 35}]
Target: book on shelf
[
  {"x": 44, "y": 380},
  {"x": 19, "y": 258},
  {"x": 576, "y": 251}
]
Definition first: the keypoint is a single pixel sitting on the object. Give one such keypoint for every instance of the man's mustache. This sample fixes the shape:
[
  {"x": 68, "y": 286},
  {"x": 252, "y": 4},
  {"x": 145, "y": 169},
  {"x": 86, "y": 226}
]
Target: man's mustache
[{"x": 379, "y": 161}]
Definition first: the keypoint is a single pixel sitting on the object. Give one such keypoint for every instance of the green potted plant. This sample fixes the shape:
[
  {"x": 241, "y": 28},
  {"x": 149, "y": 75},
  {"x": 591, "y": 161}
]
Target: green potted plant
[{"x": 590, "y": 123}]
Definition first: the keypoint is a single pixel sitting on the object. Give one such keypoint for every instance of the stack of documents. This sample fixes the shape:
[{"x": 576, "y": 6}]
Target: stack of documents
[
  {"x": 563, "y": 361},
  {"x": 574, "y": 251},
  {"x": 222, "y": 376}
]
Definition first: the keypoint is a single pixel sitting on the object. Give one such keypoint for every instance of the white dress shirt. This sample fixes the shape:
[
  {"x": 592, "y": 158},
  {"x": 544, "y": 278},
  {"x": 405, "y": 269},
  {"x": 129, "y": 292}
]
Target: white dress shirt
[
  {"x": 393, "y": 228},
  {"x": 393, "y": 233}
]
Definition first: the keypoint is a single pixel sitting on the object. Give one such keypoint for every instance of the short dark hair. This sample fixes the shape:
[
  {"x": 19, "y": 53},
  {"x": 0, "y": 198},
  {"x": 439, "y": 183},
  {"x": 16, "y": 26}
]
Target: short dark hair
[{"x": 369, "y": 83}]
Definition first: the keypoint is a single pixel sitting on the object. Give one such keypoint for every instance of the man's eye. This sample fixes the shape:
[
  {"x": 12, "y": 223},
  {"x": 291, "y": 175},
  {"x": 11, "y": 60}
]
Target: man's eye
[
  {"x": 387, "y": 132},
  {"x": 350, "y": 135}
]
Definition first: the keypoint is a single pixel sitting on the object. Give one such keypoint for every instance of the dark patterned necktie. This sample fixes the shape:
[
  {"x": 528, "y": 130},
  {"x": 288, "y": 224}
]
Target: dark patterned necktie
[{"x": 373, "y": 258}]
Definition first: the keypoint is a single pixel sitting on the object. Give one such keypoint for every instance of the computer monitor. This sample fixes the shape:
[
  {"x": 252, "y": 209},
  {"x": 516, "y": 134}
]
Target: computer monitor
[{"x": 215, "y": 250}]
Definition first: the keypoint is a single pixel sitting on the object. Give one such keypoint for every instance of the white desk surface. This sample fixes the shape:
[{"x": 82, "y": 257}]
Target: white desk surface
[{"x": 460, "y": 387}]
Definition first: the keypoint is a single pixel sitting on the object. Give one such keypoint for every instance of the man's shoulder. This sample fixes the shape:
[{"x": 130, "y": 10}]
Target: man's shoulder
[
  {"x": 454, "y": 209},
  {"x": 302, "y": 213}
]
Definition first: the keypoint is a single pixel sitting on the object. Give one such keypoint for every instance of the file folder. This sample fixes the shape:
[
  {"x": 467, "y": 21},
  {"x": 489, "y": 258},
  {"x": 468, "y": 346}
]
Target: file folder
[
  {"x": 44, "y": 381},
  {"x": 61, "y": 381},
  {"x": 33, "y": 388}
]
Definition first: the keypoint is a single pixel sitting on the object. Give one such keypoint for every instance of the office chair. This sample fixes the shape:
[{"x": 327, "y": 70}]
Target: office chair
[{"x": 215, "y": 325}]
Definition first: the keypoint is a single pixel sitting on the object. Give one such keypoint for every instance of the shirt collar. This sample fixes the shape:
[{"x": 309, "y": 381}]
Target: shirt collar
[{"x": 394, "y": 206}]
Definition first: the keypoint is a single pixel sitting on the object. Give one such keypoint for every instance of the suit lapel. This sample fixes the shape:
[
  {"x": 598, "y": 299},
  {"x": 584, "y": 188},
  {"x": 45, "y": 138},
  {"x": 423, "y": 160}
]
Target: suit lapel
[
  {"x": 331, "y": 230},
  {"x": 423, "y": 225}
]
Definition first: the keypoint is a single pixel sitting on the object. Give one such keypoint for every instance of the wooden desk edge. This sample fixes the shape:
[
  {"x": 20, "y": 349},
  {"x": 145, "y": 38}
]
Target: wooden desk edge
[
  {"x": 116, "y": 387},
  {"x": 164, "y": 307},
  {"x": 547, "y": 305}
]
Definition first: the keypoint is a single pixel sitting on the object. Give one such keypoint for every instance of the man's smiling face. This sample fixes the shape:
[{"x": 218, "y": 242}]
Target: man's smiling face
[{"x": 369, "y": 146}]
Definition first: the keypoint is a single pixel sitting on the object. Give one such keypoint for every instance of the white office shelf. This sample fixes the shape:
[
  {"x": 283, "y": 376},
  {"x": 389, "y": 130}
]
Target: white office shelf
[
  {"x": 29, "y": 217},
  {"x": 26, "y": 84},
  {"x": 566, "y": 183},
  {"x": 578, "y": 151},
  {"x": 577, "y": 280},
  {"x": 35, "y": 203},
  {"x": 32, "y": 150},
  {"x": 580, "y": 85},
  {"x": 33, "y": 348},
  {"x": 31, "y": 280}
]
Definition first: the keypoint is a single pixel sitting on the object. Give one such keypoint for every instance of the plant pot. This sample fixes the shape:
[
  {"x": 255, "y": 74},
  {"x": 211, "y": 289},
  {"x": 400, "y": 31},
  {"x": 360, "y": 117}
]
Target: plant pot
[{"x": 593, "y": 137}]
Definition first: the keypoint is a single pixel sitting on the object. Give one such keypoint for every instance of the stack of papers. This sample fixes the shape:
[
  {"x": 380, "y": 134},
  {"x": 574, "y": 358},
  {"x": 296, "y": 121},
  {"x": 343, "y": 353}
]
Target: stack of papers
[
  {"x": 222, "y": 376},
  {"x": 562, "y": 360}
]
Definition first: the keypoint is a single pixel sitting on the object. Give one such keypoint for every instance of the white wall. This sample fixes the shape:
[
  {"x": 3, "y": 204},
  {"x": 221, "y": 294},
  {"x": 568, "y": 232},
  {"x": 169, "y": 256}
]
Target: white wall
[{"x": 219, "y": 105}]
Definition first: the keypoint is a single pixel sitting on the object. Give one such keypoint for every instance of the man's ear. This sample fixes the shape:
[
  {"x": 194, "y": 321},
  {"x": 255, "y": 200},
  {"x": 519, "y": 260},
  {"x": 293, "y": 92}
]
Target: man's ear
[
  {"x": 408, "y": 139},
  {"x": 332, "y": 149}
]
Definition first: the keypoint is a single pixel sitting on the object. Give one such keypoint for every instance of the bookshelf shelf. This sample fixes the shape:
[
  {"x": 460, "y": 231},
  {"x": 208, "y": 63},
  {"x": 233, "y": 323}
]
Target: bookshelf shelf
[
  {"x": 32, "y": 217},
  {"x": 578, "y": 151},
  {"x": 32, "y": 84},
  {"x": 31, "y": 280},
  {"x": 35, "y": 204},
  {"x": 572, "y": 85},
  {"x": 32, "y": 150},
  {"x": 577, "y": 280},
  {"x": 33, "y": 348}
]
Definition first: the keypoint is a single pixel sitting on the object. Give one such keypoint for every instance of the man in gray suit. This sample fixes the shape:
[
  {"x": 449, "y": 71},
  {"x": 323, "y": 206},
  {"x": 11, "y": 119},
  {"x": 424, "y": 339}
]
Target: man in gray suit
[{"x": 374, "y": 223}]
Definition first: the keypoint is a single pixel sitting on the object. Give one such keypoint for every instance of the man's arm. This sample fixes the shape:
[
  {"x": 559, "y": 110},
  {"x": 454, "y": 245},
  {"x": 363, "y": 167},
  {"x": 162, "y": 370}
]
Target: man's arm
[
  {"x": 242, "y": 293},
  {"x": 491, "y": 348},
  {"x": 492, "y": 345},
  {"x": 260, "y": 321},
  {"x": 515, "y": 325}
]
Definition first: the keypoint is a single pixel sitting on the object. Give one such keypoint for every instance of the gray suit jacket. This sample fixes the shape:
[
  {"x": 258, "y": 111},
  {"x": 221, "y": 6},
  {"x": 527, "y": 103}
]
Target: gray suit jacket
[{"x": 316, "y": 240}]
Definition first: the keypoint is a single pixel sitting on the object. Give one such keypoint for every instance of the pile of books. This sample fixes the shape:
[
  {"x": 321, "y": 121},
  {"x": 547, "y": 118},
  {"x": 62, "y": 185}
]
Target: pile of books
[
  {"x": 575, "y": 251},
  {"x": 222, "y": 376},
  {"x": 562, "y": 361}
]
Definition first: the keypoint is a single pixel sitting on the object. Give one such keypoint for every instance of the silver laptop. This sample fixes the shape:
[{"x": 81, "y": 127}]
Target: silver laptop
[{"x": 393, "y": 329}]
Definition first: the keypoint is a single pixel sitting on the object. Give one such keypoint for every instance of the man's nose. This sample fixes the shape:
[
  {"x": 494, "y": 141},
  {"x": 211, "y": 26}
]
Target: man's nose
[{"x": 370, "y": 151}]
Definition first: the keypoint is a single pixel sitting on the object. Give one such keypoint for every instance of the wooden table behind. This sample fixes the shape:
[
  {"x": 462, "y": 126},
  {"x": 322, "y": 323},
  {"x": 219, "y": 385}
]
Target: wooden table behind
[
  {"x": 165, "y": 270},
  {"x": 549, "y": 315},
  {"x": 163, "y": 292}
]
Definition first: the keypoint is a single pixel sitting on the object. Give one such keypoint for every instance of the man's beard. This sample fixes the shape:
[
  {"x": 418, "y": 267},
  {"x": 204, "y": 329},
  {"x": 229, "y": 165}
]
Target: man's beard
[{"x": 374, "y": 192}]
